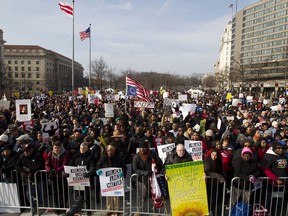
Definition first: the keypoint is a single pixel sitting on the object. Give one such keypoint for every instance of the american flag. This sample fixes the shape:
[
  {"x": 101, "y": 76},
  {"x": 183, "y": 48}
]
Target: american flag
[
  {"x": 135, "y": 89},
  {"x": 85, "y": 34},
  {"x": 66, "y": 8}
]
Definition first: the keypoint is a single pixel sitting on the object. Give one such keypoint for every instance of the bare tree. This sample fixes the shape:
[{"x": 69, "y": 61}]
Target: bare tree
[
  {"x": 99, "y": 71},
  {"x": 209, "y": 82}
]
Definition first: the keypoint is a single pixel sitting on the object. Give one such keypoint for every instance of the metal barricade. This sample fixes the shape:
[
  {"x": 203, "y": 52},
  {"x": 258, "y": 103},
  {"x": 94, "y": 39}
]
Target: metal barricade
[
  {"x": 57, "y": 195},
  {"x": 140, "y": 198},
  {"x": 216, "y": 193},
  {"x": 263, "y": 196},
  {"x": 16, "y": 192}
]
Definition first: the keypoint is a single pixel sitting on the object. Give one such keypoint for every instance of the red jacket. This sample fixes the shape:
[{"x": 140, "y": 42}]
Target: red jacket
[{"x": 57, "y": 162}]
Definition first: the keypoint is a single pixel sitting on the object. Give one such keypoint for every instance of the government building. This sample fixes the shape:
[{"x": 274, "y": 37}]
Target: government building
[
  {"x": 33, "y": 69},
  {"x": 259, "y": 49}
]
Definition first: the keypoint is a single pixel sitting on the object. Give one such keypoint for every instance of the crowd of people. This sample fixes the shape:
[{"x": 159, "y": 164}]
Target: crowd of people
[{"x": 248, "y": 140}]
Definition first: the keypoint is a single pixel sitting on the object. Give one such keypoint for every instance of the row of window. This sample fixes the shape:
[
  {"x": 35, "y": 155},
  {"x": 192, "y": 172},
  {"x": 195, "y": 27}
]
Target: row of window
[
  {"x": 265, "y": 38},
  {"x": 22, "y": 68},
  {"x": 22, "y": 62},
  {"x": 264, "y": 25},
  {"x": 262, "y": 6},
  {"x": 268, "y": 17},
  {"x": 265, "y": 31},
  {"x": 263, "y": 52},
  {"x": 23, "y": 75},
  {"x": 262, "y": 58},
  {"x": 265, "y": 45}
]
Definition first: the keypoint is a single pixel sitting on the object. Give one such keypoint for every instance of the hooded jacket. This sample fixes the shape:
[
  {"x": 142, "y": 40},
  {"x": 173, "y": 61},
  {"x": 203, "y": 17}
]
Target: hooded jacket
[
  {"x": 274, "y": 165},
  {"x": 57, "y": 162}
]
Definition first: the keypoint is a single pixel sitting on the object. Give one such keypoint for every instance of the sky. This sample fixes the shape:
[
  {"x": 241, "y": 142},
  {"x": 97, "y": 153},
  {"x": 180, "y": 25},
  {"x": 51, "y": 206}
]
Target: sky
[{"x": 166, "y": 36}]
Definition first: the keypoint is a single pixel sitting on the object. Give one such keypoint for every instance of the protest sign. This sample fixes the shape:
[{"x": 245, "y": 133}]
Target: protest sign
[
  {"x": 182, "y": 97},
  {"x": 187, "y": 188},
  {"x": 142, "y": 104},
  {"x": 49, "y": 129},
  {"x": 111, "y": 183},
  {"x": 76, "y": 177},
  {"x": 23, "y": 110},
  {"x": 165, "y": 150},
  {"x": 4, "y": 104},
  {"x": 109, "y": 110},
  {"x": 194, "y": 148}
]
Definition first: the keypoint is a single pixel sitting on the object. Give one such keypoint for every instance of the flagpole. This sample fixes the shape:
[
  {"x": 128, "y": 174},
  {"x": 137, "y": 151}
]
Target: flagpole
[
  {"x": 73, "y": 49},
  {"x": 236, "y": 6},
  {"x": 126, "y": 94},
  {"x": 90, "y": 56}
]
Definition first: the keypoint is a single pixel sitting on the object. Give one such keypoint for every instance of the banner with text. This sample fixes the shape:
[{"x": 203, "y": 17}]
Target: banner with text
[
  {"x": 142, "y": 104},
  {"x": 187, "y": 188}
]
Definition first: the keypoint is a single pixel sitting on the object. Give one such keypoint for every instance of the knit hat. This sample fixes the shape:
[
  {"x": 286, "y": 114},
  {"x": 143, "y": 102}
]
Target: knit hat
[
  {"x": 209, "y": 133},
  {"x": 268, "y": 133},
  {"x": 144, "y": 143},
  {"x": 275, "y": 144},
  {"x": 4, "y": 138},
  {"x": 246, "y": 150}
]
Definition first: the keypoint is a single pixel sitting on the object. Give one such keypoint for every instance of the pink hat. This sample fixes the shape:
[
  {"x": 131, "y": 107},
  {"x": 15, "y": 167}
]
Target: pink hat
[{"x": 246, "y": 150}]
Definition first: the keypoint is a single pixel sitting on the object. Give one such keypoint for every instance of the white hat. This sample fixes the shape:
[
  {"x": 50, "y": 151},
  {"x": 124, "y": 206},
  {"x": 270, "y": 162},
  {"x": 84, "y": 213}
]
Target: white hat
[
  {"x": 23, "y": 137},
  {"x": 4, "y": 138}
]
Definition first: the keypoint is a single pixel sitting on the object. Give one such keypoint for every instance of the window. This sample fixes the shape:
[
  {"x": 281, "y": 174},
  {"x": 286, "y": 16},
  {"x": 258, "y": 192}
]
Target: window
[
  {"x": 22, "y": 62},
  {"x": 23, "y": 75},
  {"x": 9, "y": 62},
  {"x": 37, "y": 62},
  {"x": 29, "y": 75},
  {"x": 15, "y": 62},
  {"x": 37, "y": 75},
  {"x": 38, "y": 83},
  {"x": 22, "y": 68},
  {"x": 37, "y": 68},
  {"x": 9, "y": 68},
  {"x": 29, "y": 62},
  {"x": 10, "y": 75},
  {"x": 29, "y": 68},
  {"x": 16, "y": 75},
  {"x": 16, "y": 68}
]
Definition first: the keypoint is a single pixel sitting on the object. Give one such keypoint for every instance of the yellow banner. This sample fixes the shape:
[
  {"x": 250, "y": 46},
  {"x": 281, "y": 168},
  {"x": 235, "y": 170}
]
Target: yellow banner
[{"x": 187, "y": 189}]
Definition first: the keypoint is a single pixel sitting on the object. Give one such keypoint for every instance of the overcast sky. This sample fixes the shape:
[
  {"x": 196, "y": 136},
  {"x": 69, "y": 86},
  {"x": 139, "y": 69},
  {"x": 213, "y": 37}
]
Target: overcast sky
[{"x": 175, "y": 36}]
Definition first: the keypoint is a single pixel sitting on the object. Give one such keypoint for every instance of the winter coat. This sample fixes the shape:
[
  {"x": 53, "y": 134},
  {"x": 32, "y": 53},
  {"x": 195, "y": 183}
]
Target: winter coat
[
  {"x": 274, "y": 165},
  {"x": 143, "y": 168},
  {"x": 85, "y": 159},
  {"x": 8, "y": 165},
  {"x": 57, "y": 162},
  {"x": 244, "y": 169},
  {"x": 173, "y": 158}
]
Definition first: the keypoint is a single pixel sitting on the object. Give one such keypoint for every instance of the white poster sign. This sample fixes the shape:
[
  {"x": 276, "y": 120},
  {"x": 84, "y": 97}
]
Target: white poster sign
[
  {"x": 165, "y": 150},
  {"x": 23, "y": 110},
  {"x": 4, "y": 104},
  {"x": 92, "y": 98},
  {"x": 249, "y": 98},
  {"x": 235, "y": 101},
  {"x": 49, "y": 129},
  {"x": 142, "y": 104},
  {"x": 182, "y": 97},
  {"x": 109, "y": 110},
  {"x": 111, "y": 183},
  {"x": 76, "y": 177},
  {"x": 186, "y": 108},
  {"x": 9, "y": 197},
  {"x": 194, "y": 148}
]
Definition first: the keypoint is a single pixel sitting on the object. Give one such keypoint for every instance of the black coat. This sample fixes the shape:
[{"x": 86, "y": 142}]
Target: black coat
[
  {"x": 85, "y": 159},
  {"x": 173, "y": 158},
  {"x": 8, "y": 165},
  {"x": 144, "y": 168}
]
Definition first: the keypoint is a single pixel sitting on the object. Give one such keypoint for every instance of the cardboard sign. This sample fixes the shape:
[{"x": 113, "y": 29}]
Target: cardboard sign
[
  {"x": 23, "y": 110},
  {"x": 109, "y": 110}
]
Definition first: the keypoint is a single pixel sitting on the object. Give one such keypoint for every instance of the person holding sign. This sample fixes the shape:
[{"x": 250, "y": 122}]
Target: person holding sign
[
  {"x": 178, "y": 155},
  {"x": 111, "y": 160}
]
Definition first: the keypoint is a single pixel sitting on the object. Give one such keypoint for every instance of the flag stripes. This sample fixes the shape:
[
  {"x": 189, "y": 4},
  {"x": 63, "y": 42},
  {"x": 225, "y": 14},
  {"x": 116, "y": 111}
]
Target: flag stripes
[{"x": 141, "y": 92}]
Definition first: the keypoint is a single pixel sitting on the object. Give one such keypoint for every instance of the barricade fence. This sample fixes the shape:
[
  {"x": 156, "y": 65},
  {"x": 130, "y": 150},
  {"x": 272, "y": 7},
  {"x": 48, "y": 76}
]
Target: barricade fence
[{"x": 39, "y": 194}]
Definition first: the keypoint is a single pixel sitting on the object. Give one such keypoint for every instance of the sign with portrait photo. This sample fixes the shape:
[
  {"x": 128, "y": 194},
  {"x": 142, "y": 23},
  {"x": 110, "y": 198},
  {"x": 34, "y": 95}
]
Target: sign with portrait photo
[{"x": 23, "y": 110}]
